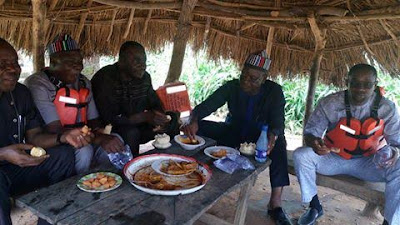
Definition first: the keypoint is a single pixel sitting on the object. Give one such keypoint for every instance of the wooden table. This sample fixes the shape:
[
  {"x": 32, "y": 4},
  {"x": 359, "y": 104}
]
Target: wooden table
[{"x": 64, "y": 203}]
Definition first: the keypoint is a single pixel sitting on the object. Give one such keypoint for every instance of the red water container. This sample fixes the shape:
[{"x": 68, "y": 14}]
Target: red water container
[{"x": 174, "y": 97}]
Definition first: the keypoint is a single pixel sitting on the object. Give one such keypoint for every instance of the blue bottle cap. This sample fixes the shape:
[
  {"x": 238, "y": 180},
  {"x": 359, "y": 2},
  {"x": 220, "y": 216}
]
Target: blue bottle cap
[{"x": 264, "y": 128}]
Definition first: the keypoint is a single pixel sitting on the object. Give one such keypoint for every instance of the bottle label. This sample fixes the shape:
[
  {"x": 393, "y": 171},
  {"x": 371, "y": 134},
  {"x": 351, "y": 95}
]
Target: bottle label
[{"x": 261, "y": 154}]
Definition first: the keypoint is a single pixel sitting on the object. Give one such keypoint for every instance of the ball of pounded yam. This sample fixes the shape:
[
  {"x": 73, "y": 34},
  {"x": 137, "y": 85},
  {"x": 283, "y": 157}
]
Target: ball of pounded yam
[{"x": 37, "y": 152}]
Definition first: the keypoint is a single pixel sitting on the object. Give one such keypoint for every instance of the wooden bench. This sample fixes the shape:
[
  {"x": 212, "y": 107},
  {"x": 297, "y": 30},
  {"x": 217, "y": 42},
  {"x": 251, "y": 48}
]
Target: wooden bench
[{"x": 371, "y": 192}]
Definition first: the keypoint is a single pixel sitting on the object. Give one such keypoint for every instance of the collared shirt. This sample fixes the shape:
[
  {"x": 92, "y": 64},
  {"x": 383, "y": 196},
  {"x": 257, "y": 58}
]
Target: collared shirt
[
  {"x": 44, "y": 92},
  {"x": 117, "y": 99},
  {"x": 331, "y": 109},
  {"x": 25, "y": 107},
  {"x": 268, "y": 108}
]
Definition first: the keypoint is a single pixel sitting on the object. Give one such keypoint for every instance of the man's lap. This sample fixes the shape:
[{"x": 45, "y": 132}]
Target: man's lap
[{"x": 331, "y": 164}]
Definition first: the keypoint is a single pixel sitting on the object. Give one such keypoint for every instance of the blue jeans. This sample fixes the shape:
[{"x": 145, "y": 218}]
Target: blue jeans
[{"x": 308, "y": 163}]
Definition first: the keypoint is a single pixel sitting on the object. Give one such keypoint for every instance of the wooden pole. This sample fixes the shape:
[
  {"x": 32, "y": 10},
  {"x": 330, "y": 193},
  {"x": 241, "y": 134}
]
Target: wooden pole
[
  {"x": 180, "y": 40},
  {"x": 320, "y": 42},
  {"x": 38, "y": 33},
  {"x": 271, "y": 33},
  {"x": 81, "y": 24}
]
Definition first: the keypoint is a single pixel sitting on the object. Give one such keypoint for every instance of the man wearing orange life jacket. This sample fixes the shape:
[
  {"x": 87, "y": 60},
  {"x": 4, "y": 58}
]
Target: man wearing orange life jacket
[
  {"x": 64, "y": 99},
  {"x": 343, "y": 134}
]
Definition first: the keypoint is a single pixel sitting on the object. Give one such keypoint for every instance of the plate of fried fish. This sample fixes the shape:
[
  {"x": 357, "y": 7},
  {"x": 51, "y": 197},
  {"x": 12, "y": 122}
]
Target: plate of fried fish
[{"x": 167, "y": 174}]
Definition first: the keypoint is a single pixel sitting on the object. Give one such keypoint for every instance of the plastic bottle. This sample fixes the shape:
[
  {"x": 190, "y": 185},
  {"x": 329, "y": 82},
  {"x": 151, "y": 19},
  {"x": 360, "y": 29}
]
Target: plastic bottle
[
  {"x": 119, "y": 159},
  {"x": 262, "y": 145}
]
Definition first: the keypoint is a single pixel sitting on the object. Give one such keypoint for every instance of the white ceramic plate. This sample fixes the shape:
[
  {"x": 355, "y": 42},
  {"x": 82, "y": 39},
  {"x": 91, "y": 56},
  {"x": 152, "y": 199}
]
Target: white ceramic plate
[
  {"x": 144, "y": 161},
  {"x": 83, "y": 187},
  {"x": 208, "y": 151},
  {"x": 158, "y": 164},
  {"x": 201, "y": 140}
]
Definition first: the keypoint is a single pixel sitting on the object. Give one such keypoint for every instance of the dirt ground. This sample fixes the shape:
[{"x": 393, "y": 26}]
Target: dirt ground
[{"x": 339, "y": 208}]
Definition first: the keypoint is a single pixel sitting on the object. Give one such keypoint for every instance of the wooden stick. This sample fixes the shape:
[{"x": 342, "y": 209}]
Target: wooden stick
[
  {"x": 270, "y": 41},
  {"x": 139, "y": 5},
  {"x": 128, "y": 26},
  {"x": 247, "y": 26},
  {"x": 271, "y": 34},
  {"x": 112, "y": 24},
  {"x": 180, "y": 40},
  {"x": 38, "y": 19},
  {"x": 364, "y": 40},
  {"x": 387, "y": 29},
  {"x": 207, "y": 28},
  {"x": 82, "y": 20},
  {"x": 53, "y": 5},
  {"x": 241, "y": 5},
  {"x": 320, "y": 42},
  {"x": 146, "y": 22}
]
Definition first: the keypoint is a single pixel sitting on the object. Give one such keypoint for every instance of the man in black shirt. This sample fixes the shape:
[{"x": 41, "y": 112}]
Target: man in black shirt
[
  {"x": 125, "y": 97},
  {"x": 253, "y": 101},
  {"x": 20, "y": 123}
]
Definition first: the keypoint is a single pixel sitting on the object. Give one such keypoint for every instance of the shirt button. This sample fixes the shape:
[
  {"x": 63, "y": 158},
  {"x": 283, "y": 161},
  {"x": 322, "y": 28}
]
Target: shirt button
[
  {"x": 15, "y": 136},
  {"x": 15, "y": 120}
]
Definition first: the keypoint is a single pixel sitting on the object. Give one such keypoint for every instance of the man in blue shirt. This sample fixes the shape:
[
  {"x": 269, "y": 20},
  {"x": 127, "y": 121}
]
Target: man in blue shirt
[{"x": 252, "y": 102}]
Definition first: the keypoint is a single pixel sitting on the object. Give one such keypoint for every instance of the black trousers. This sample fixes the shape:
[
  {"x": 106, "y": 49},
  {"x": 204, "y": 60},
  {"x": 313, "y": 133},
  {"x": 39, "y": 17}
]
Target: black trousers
[
  {"x": 225, "y": 135},
  {"x": 15, "y": 180}
]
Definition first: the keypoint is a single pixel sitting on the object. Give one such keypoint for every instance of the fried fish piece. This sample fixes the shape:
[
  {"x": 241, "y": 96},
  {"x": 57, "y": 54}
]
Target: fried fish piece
[{"x": 220, "y": 153}]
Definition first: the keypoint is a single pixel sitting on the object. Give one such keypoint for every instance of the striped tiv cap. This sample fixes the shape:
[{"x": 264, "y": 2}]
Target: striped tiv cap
[
  {"x": 259, "y": 60},
  {"x": 62, "y": 42}
]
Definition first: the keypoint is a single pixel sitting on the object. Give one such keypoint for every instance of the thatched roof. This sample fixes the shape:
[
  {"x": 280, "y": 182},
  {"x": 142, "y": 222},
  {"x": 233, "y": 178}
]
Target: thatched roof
[{"x": 355, "y": 30}]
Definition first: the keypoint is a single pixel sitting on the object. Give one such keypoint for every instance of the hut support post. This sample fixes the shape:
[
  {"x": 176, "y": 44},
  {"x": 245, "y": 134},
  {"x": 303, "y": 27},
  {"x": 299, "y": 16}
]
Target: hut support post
[
  {"x": 38, "y": 32},
  {"x": 180, "y": 40},
  {"x": 271, "y": 33},
  {"x": 320, "y": 41}
]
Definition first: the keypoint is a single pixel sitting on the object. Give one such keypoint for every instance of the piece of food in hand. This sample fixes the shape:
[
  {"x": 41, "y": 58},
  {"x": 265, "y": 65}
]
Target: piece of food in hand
[
  {"x": 38, "y": 152},
  {"x": 107, "y": 129},
  {"x": 85, "y": 130},
  {"x": 220, "y": 153},
  {"x": 169, "y": 118},
  {"x": 335, "y": 150}
]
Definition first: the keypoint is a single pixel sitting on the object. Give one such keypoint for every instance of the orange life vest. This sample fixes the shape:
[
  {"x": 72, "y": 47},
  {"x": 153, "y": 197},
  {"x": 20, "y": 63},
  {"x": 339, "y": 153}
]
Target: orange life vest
[
  {"x": 68, "y": 101},
  {"x": 355, "y": 138}
]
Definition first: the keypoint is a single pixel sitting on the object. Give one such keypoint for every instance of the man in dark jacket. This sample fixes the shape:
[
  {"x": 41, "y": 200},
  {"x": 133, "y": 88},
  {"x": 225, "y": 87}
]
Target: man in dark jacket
[
  {"x": 125, "y": 98},
  {"x": 253, "y": 101}
]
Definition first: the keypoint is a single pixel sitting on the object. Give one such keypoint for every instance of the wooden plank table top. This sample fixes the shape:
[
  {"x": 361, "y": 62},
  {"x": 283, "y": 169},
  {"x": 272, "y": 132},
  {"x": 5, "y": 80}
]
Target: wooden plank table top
[{"x": 63, "y": 203}]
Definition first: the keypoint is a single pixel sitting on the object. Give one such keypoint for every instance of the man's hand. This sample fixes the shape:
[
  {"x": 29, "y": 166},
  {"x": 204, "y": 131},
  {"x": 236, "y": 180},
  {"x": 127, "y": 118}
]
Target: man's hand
[
  {"x": 321, "y": 149},
  {"x": 76, "y": 138},
  {"x": 110, "y": 143},
  {"x": 271, "y": 142},
  {"x": 15, "y": 154},
  {"x": 190, "y": 129},
  {"x": 157, "y": 118}
]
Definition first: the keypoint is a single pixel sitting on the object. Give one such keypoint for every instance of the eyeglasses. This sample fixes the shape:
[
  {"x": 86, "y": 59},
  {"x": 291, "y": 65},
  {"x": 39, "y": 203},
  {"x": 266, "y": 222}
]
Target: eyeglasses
[
  {"x": 362, "y": 85},
  {"x": 4, "y": 64}
]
